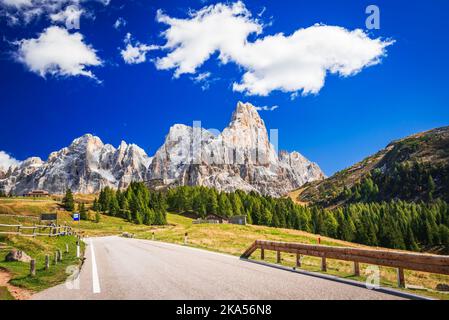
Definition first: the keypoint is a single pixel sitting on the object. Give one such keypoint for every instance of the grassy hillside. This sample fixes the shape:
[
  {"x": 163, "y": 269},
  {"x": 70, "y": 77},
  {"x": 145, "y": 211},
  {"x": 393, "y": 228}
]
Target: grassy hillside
[
  {"x": 411, "y": 169},
  {"x": 225, "y": 238}
]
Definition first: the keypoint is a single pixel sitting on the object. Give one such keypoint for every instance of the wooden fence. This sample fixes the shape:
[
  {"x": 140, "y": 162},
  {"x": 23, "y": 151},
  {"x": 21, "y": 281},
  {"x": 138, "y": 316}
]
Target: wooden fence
[
  {"x": 36, "y": 230},
  {"x": 389, "y": 258}
]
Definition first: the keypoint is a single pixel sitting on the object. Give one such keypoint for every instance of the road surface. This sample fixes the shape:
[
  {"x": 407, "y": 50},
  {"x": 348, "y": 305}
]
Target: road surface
[{"x": 120, "y": 268}]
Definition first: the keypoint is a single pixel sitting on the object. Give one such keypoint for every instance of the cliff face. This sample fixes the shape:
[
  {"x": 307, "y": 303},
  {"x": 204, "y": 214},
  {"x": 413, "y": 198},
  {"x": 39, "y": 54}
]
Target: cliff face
[
  {"x": 240, "y": 157},
  {"x": 86, "y": 166}
]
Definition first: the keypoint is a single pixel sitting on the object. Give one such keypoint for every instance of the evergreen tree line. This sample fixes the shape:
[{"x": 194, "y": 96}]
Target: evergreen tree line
[
  {"x": 136, "y": 204},
  {"x": 406, "y": 181},
  {"x": 393, "y": 224}
]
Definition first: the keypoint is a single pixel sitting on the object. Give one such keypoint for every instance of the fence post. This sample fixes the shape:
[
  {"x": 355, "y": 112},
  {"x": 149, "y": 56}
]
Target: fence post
[
  {"x": 298, "y": 260},
  {"x": 47, "y": 262},
  {"x": 77, "y": 249},
  {"x": 18, "y": 229},
  {"x": 278, "y": 256},
  {"x": 356, "y": 269},
  {"x": 33, "y": 267},
  {"x": 59, "y": 255},
  {"x": 56, "y": 257},
  {"x": 262, "y": 253},
  {"x": 50, "y": 231},
  {"x": 66, "y": 248},
  {"x": 323, "y": 264},
  {"x": 152, "y": 237},
  {"x": 34, "y": 231},
  {"x": 401, "y": 278},
  {"x": 186, "y": 238}
]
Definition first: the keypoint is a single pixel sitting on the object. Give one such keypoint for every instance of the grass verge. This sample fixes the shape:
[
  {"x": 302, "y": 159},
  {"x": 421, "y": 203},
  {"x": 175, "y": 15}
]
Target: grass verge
[{"x": 37, "y": 248}]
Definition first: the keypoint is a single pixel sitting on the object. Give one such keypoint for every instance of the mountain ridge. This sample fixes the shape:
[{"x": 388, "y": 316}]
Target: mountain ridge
[
  {"x": 413, "y": 168},
  {"x": 240, "y": 157}
]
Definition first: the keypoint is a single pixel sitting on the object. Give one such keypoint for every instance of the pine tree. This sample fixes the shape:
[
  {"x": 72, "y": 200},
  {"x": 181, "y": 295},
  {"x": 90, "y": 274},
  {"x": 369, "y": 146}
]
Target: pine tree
[
  {"x": 97, "y": 217},
  {"x": 430, "y": 187},
  {"x": 114, "y": 208},
  {"x": 82, "y": 211},
  {"x": 68, "y": 202},
  {"x": 95, "y": 206}
]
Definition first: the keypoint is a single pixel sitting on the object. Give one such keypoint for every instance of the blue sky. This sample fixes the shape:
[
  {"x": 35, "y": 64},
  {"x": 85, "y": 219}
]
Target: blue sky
[{"x": 346, "y": 120}]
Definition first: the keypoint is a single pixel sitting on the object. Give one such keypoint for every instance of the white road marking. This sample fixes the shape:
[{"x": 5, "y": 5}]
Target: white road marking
[{"x": 95, "y": 280}]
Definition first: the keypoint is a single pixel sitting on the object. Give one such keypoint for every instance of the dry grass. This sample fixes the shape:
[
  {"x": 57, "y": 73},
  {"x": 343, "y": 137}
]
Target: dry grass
[{"x": 294, "y": 195}]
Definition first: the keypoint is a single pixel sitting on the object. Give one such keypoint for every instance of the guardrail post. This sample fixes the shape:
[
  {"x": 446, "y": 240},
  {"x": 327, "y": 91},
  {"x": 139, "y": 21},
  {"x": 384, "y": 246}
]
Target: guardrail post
[
  {"x": 278, "y": 256},
  {"x": 56, "y": 258},
  {"x": 401, "y": 278},
  {"x": 47, "y": 262},
  {"x": 323, "y": 264},
  {"x": 262, "y": 253},
  {"x": 186, "y": 238},
  {"x": 77, "y": 249},
  {"x": 298, "y": 260},
  {"x": 356, "y": 269},
  {"x": 152, "y": 237},
  {"x": 59, "y": 255},
  {"x": 66, "y": 248},
  {"x": 33, "y": 267}
]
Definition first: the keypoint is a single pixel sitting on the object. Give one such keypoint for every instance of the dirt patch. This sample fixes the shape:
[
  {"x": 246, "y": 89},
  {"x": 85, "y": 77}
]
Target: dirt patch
[{"x": 16, "y": 292}]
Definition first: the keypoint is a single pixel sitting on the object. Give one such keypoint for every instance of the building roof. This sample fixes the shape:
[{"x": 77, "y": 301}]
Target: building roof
[{"x": 38, "y": 192}]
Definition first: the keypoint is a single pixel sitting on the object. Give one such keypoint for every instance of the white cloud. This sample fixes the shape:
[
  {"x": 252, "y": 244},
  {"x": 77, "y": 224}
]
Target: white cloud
[
  {"x": 27, "y": 10},
  {"x": 120, "y": 22},
  {"x": 291, "y": 63},
  {"x": 267, "y": 108},
  {"x": 71, "y": 14},
  {"x": 7, "y": 161},
  {"x": 202, "y": 76},
  {"x": 216, "y": 28},
  {"x": 300, "y": 62},
  {"x": 59, "y": 53},
  {"x": 16, "y": 4},
  {"x": 204, "y": 79},
  {"x": 137, "y": 52}
]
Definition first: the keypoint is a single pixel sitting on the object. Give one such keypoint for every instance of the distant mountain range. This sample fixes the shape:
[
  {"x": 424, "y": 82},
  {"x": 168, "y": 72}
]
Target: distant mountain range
[
  {"x": 240, "y": 157},
  {"x": 415, "y": 168}
]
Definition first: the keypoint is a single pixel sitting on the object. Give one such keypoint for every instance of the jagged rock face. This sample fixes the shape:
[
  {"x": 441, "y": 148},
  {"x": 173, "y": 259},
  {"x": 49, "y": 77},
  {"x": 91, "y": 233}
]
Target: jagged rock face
[
  {"x": 86, "y": 166},
  {"x": 241, "y": 157}
]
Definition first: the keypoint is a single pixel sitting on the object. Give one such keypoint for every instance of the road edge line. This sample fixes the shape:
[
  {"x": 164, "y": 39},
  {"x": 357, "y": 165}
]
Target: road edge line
[{"x": 95, "y": 279}]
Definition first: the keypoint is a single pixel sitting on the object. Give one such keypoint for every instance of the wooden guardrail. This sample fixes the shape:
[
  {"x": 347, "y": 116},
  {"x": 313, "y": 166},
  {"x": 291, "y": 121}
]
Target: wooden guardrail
[
  {"x": 37, "y": 230},
  {"x": 401, "y": 260}
]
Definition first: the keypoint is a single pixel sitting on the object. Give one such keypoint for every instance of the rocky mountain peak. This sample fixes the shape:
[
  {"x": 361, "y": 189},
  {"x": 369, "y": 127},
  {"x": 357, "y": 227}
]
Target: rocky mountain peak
[
  {"x": 87, "y": 139},
  {"x": 246, "y": 116},
  {"x": 241, "y": 157}
]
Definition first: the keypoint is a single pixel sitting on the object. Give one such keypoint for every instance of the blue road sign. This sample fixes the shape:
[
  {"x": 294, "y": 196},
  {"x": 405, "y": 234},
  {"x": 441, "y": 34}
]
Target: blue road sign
[{"x": 76, "y": 217}]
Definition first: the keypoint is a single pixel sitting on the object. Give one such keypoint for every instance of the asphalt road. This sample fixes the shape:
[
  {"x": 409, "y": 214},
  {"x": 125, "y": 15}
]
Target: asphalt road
[{"x": 120, "y": 268}]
